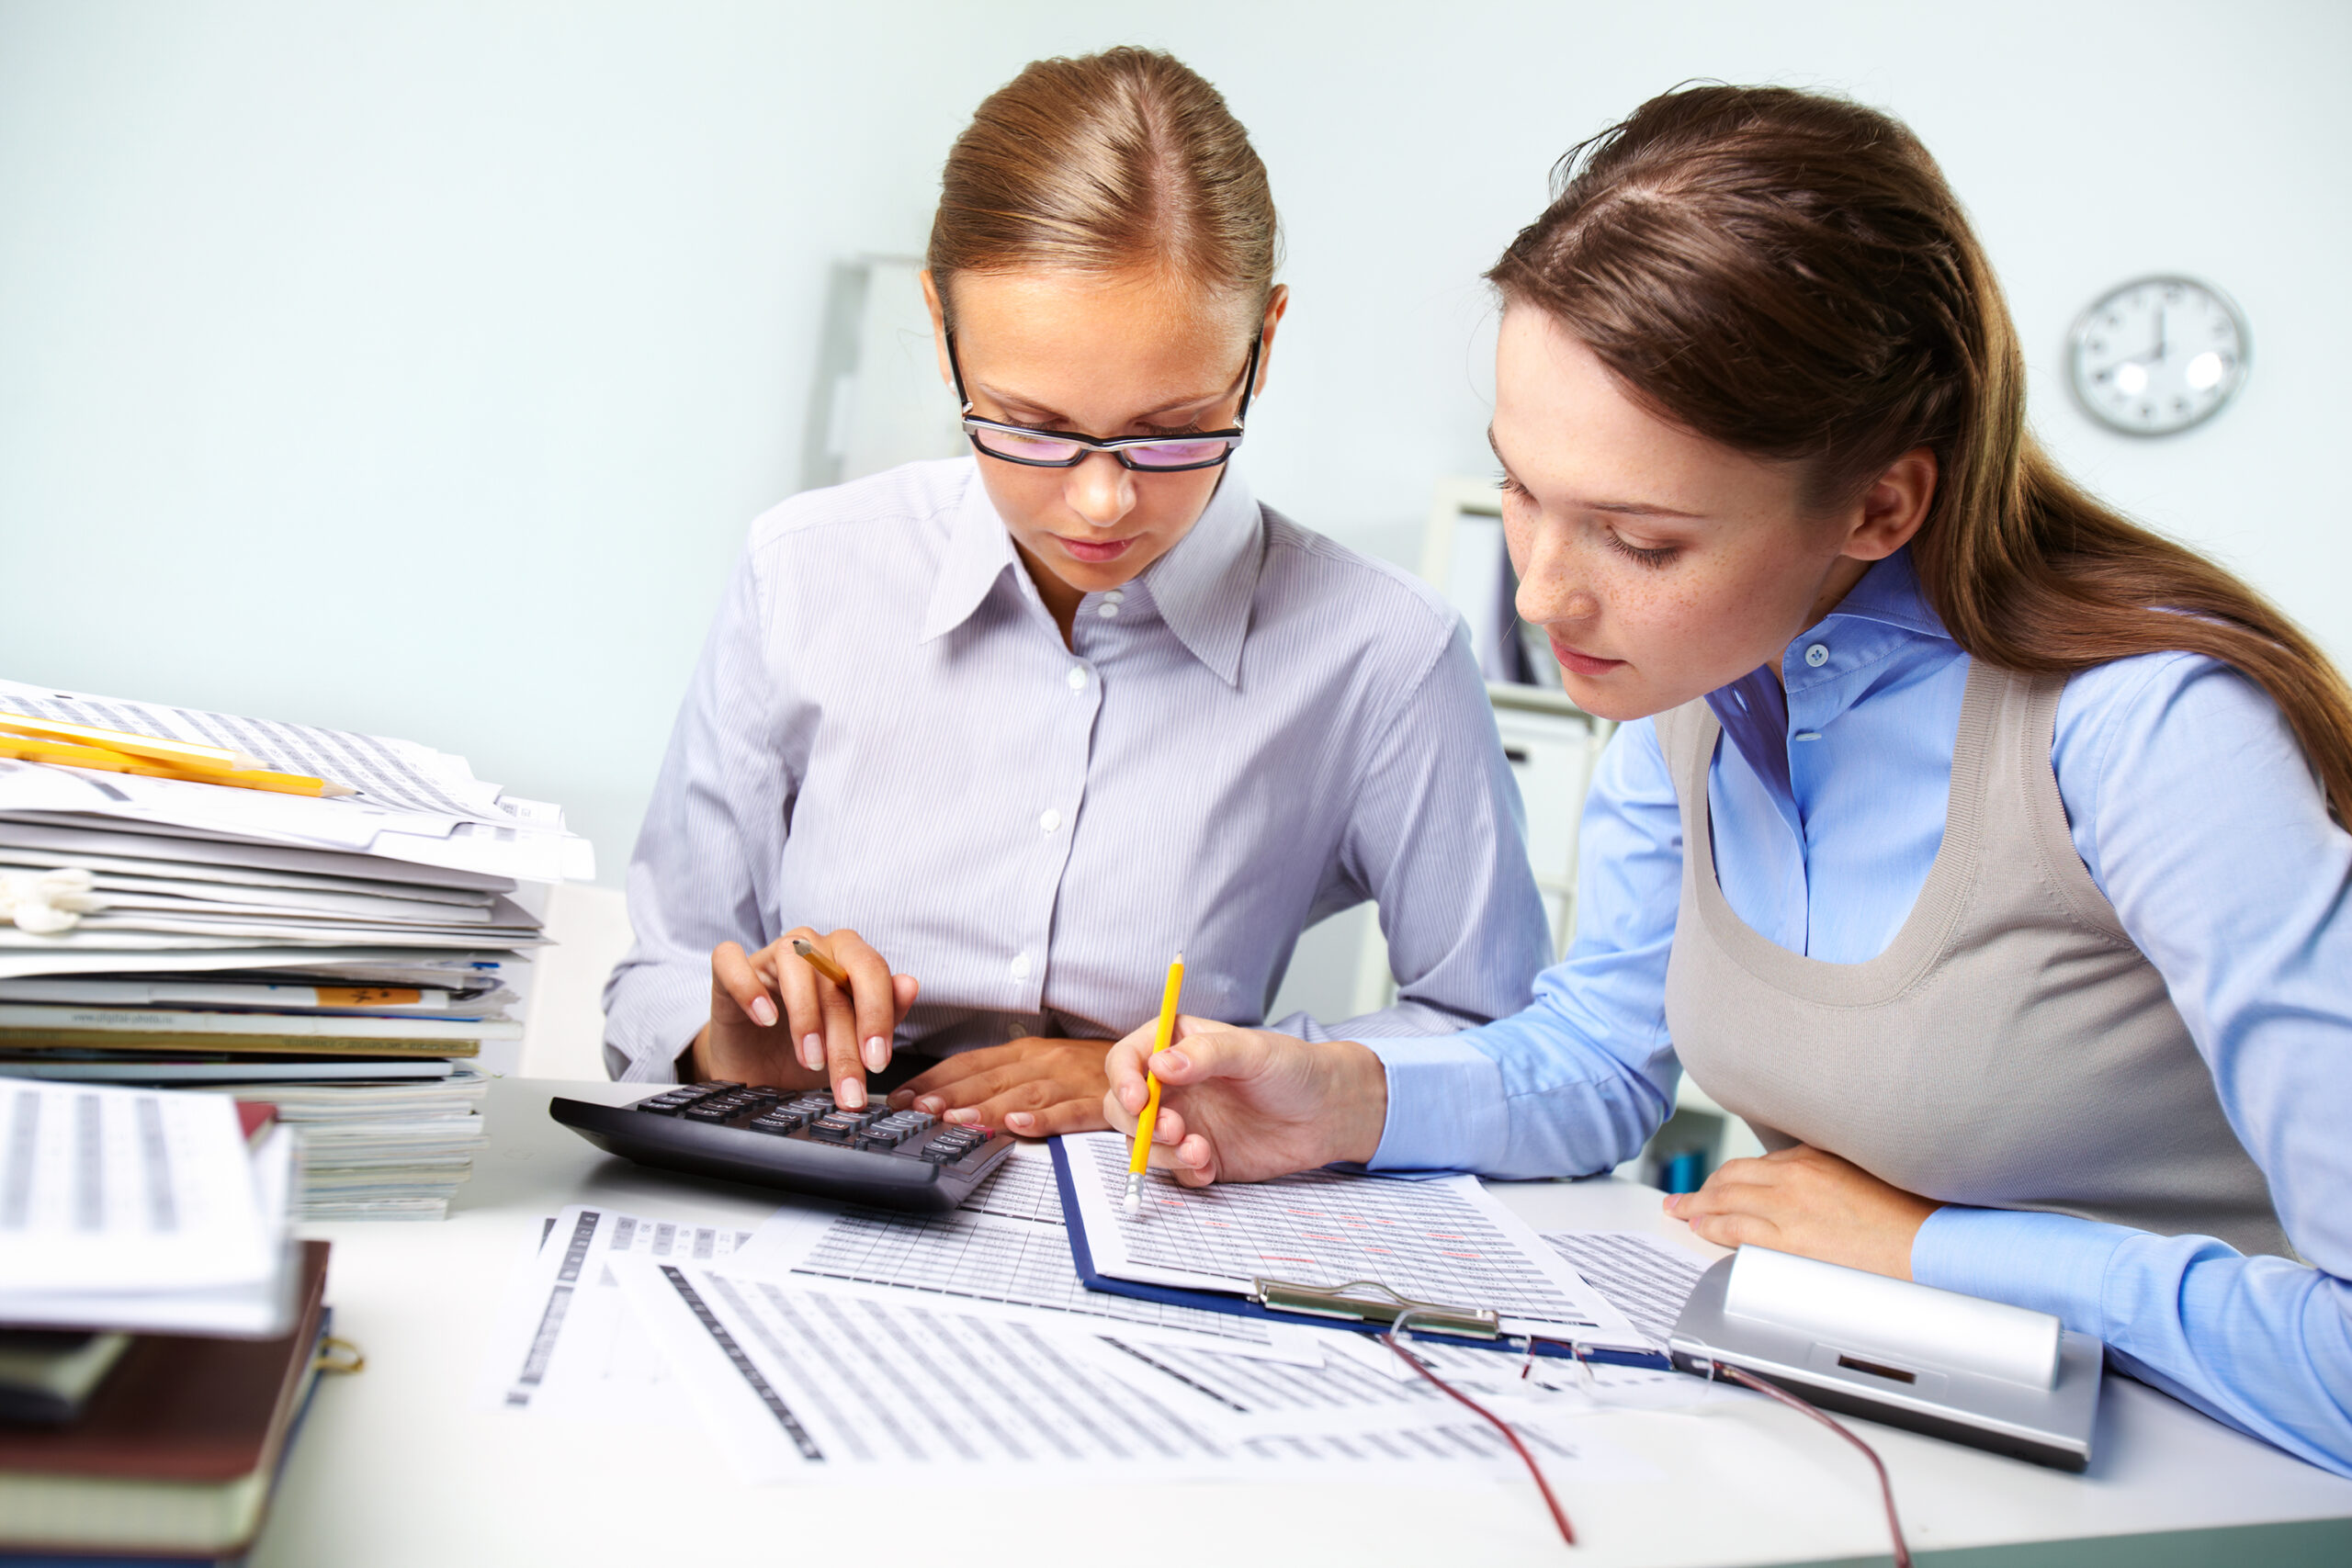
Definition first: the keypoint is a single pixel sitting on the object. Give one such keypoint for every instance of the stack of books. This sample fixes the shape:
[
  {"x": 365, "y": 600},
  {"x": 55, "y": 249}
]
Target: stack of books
[
  {"x": 160, "y": 1332},
  {"x": 324, "y": 920}
]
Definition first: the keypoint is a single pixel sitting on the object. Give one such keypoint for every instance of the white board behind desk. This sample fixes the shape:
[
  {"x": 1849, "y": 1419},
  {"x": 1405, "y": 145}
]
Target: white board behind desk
[{"x": 397, "y": 1467}]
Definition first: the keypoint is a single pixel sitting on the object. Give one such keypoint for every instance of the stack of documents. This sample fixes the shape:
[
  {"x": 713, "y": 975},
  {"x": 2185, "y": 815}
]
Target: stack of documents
[
  {"x": 326, "y": 922},
  {"x": 843, "y": 1344}
]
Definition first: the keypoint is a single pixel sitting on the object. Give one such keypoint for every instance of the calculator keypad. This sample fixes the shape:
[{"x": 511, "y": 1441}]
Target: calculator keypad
[{"x": 813, "y": 1116}]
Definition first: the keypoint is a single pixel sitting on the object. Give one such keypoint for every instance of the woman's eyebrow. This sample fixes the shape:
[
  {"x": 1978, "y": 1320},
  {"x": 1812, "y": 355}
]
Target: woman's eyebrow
[
  {"x": 1042, "y": 414},
  {"x": 1615, "y": 508}
]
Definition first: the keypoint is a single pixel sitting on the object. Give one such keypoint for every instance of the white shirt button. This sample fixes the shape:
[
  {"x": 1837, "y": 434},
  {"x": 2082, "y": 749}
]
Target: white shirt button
[
  {"x": 1048, "y": 820},
  {"x": 1817, "y": 655},
  {"x": 1117, "y": 596},
  {"x": 1108, "y": 611},
  {"x": 1806, "y": 735},
  {"x": 1021, "y": 966},
  {"x": 1077, "y": 679}
]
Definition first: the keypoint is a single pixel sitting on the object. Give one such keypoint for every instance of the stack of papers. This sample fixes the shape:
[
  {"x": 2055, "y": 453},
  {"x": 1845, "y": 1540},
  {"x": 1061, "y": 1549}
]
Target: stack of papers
[
  {"x": 143, "y": 1211},
  {"x": 346, "y": 957},
  {"x": 846, "y": 1344}
]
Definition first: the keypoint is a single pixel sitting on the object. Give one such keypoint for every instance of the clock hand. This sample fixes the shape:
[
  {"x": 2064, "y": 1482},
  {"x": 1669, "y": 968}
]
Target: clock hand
[{"x": 2160, "y": 335}]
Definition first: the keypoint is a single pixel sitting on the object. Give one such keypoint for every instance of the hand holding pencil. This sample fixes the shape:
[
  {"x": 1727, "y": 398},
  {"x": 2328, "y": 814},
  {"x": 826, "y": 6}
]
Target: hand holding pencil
[
  {"x": 1237, "y": 1104},
  {"x": 806, "y": 1011}
]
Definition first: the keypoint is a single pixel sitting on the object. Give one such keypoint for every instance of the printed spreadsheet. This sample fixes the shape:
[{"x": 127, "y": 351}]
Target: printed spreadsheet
[{"x": 1429, "y": 1240}]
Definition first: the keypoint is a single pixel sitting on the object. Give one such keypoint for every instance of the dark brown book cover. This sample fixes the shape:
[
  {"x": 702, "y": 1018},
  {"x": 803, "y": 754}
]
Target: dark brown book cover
[{"x": 180, "y": 1408}]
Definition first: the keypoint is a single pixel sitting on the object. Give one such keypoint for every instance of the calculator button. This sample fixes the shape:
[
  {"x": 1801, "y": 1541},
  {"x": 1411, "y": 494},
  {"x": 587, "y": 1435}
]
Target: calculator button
[
  {"x": 778, "y": 1126},
  {"x": 716, "y": 1087},
  {"x": 709, "y": 1112},
  {"x": 835, "y": 1128}
]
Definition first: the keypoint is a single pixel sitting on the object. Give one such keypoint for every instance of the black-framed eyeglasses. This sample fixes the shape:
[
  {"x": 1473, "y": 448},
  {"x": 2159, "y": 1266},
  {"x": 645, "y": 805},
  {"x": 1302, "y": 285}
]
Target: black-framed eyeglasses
[{"x": 1067, "y": 449}]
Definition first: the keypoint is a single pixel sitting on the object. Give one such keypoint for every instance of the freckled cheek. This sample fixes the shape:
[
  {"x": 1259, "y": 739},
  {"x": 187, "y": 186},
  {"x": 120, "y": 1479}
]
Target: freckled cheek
[{"x": 1675, "y": 619}]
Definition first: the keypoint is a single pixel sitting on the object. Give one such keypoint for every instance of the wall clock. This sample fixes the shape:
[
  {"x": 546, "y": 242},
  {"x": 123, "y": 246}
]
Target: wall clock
[{"x": 2157, "y": 355}]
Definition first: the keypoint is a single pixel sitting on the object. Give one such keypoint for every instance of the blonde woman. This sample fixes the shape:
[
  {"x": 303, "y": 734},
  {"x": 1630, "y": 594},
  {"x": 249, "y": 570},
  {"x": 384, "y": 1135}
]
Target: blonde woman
[{"x": 999, "y": 734}]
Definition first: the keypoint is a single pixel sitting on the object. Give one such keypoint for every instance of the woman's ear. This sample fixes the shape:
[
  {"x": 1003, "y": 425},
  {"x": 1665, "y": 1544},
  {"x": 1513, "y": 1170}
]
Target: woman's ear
[
  {"x": 1894, "y": 507},
  {"x": 938, "y": 326},
  {"x": 1276, "y": 303}
]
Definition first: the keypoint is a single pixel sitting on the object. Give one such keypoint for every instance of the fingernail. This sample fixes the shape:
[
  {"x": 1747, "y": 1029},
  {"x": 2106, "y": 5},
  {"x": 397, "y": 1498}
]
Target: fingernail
[
  {"x": 877, "y": 1055},
  {"x": 930, "y": 1104},
  {"x": 1018, "y": 1119},
  {"x": 962, "y": 1113},
  {"x": 1175, "y": 1058},
  {"x": 899, "y": 1099},
  {"x": 812, "y": 1050},
  {"x": 763, "y": 1012},
  {"x": 849, "y": 1094}
]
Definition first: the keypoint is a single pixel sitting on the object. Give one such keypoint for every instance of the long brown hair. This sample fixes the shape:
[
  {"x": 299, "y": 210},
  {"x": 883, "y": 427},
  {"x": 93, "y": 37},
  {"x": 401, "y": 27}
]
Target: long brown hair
[
  {"x": 1107, "y": 163},
  {"x": 1789, "y": 275}
]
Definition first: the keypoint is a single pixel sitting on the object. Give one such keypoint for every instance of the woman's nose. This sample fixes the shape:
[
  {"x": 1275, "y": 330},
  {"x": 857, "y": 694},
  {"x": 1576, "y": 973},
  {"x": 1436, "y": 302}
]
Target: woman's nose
[
  {"x": 1552, "y": 592},
  {"x": 1100, "y": 490}
]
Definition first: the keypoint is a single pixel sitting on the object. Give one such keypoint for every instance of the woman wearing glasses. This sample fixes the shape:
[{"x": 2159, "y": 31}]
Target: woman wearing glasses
[
  {"x": 1985, "y": 851},
  {"x": 1001, "y": 734}
]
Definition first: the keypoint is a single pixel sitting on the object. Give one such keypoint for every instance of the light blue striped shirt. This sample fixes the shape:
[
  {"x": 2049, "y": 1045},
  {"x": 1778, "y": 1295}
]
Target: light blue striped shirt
[
  {"x": 2195, "y": 811},
  {"x": 886, "y": 732}
]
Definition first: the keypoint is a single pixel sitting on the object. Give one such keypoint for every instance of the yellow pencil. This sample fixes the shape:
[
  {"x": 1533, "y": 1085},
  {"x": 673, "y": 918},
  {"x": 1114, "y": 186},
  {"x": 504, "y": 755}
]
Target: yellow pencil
[
  {"x": 178, "y": 754},
  {"x": 1141, "y": 1155},
  {"x": 99, "y": 758},
  {"x": 822, "y": 964}
]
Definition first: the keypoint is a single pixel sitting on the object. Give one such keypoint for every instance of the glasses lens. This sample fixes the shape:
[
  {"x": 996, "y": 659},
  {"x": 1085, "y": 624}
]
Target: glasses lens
[
  {"x": 1025, "y": 449},
  {"x": 1189, "y": 454}
]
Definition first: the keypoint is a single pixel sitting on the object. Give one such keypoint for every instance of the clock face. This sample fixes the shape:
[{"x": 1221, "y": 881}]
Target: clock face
[{"x": 2158, "y": 355}]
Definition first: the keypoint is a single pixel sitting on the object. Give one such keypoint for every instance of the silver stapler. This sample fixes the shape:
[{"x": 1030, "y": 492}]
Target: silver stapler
[{"x": 1979, "y": 1372}]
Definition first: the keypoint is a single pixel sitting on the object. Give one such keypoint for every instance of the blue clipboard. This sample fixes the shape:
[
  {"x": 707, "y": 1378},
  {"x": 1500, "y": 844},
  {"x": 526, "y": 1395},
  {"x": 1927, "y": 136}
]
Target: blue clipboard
[{"x": 1232, "y": 1305}]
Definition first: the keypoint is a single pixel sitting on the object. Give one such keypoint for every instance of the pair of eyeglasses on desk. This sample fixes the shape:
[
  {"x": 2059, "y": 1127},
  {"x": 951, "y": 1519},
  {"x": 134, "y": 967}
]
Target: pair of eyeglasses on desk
[{"x": 1067, "y": 449}]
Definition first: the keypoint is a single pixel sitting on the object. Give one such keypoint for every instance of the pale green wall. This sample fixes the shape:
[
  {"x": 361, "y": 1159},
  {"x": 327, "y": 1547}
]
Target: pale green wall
[{"x": 415, "y": 367}]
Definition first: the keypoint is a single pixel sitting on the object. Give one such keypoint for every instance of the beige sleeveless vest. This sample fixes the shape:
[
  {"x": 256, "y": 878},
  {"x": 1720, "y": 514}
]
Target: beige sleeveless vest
[{"x": 2010, "y": 1049}]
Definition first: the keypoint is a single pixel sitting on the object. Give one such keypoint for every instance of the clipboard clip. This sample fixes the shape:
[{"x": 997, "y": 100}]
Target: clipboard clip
[{"x": 1369, "y": 1300}]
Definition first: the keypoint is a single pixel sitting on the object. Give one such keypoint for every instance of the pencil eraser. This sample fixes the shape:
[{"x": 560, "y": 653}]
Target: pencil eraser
[{"x": 1134, "y": 1204}]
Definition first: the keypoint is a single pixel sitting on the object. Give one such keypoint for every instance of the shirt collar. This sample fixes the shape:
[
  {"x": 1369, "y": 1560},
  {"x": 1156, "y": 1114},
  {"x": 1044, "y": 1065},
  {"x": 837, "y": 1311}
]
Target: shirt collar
[
  {"x": 1203, "y": 589},
  {"x": 1890, "y": 594},
  {"x": 979, "y": 551}
]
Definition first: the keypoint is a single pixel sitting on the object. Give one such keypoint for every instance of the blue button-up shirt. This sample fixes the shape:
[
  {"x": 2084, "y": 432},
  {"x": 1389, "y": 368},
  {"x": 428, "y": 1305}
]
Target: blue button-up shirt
[
  {"x": 2194, "y": 810},
  {"x": 886, "y": 732}
]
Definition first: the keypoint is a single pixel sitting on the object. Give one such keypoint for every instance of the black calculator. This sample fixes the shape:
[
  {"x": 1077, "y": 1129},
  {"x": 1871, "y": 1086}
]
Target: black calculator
[{"x": 797, "y": 1140}]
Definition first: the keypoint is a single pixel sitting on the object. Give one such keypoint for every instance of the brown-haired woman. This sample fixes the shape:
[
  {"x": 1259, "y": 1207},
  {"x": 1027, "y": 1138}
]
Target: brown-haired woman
[
  {"x": 1022, "y": 725},
  {"x": 2019, "y": 919}
]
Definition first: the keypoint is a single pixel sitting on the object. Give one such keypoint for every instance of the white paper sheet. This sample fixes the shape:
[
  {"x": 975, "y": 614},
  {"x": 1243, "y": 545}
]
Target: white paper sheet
[
  {"x": 1005, "y": 1248},
  {"x": 804, "y": 1384},
  {"x": 396, "y": 775},
  {"x": 141, "y": 1210},
  {"x": 1549, "y": 1388},
  {"x": 119, "y": 1189},
  {"x": 210, "y": 856},
  {"x": 120, "y": 890},
  {"x": 1643, "y": 1277},
  {"x": 1446, "y": 1242},
  {"x": 565, "y": 1343}
]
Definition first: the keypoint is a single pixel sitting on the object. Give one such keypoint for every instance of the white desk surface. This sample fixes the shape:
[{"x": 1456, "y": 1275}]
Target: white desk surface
[{"x": 397, "y": 1466}]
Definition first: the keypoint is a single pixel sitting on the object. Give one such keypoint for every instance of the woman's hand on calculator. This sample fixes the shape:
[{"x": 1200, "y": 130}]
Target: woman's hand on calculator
[
  {"x": 775, "y": 1021},
  {"x": 1032, "y": 1088}
]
